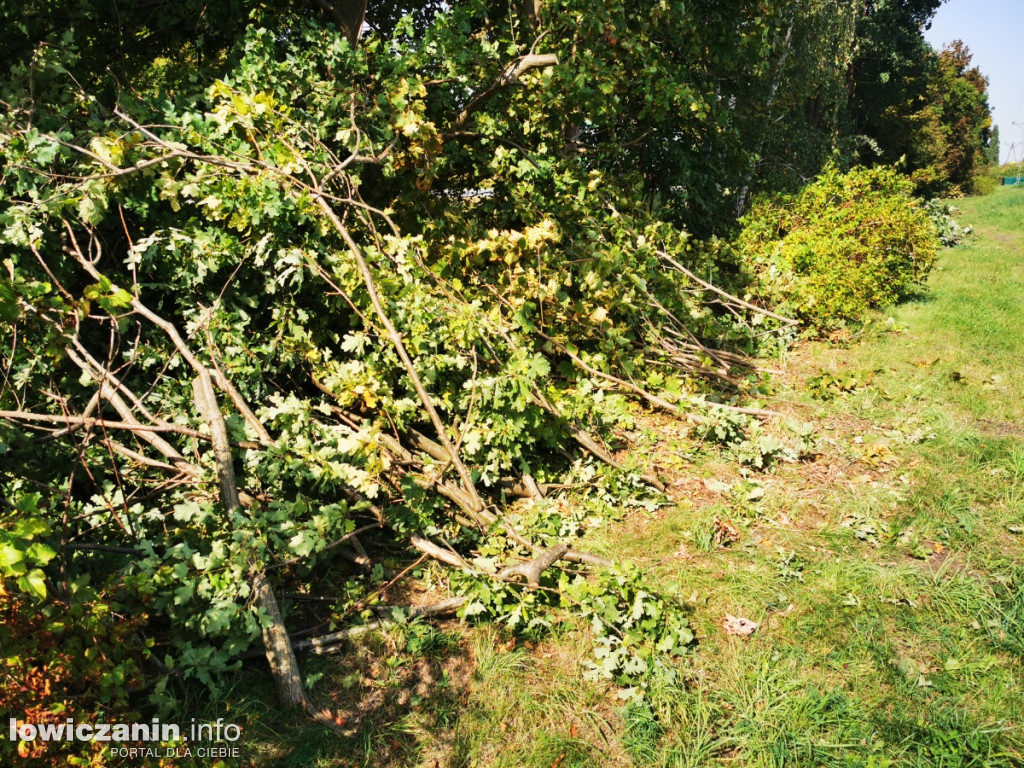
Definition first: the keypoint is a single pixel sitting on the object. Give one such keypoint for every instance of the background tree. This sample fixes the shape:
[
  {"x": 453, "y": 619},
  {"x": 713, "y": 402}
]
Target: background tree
[
  {"x": 960, "y": 93},
  {"x": 992, "y": 150},
  {"x": 892, "y": 116}
]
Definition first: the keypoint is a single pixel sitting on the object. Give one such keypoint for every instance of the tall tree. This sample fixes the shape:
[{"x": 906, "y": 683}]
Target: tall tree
[
  {"x": 889, "y": 82},
  {"x": 960, "y": 93}
]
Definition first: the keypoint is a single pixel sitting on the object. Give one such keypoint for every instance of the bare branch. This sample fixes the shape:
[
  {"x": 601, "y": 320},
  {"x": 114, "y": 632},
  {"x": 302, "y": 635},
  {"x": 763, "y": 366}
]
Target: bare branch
[
  {"x": 439, "y": 553},
  {"x": 509, "y": 76},
  {"x": 533, "y": 569},
  {"x": 330, "y": 643},
  {"x": 728, "y": 296}
]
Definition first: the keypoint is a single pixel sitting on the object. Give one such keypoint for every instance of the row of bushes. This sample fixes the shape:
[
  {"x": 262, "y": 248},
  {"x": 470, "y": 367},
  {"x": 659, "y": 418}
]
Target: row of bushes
[{"x": 844, "y": 244}]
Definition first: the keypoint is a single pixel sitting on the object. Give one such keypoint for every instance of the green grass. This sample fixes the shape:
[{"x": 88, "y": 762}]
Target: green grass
[{"x": 885, "y": 575}]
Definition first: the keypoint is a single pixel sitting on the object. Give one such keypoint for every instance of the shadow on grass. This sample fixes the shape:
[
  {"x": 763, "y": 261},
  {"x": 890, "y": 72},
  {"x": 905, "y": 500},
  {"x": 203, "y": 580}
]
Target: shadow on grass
[
  {"x": 917, "y": 296},
  {"x": 395, "y": 697}
]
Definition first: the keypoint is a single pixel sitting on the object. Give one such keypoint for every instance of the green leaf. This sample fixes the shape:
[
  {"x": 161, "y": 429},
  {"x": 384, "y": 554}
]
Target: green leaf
[{"x": 34, "y": 583}]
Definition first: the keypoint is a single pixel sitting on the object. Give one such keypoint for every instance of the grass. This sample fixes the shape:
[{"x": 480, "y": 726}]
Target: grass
[{"x": 885, "y": 575}]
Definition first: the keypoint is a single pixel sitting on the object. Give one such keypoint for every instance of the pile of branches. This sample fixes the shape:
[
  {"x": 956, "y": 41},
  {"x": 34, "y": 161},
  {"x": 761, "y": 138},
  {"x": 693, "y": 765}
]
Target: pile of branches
[{"x": 223, "y": 366}]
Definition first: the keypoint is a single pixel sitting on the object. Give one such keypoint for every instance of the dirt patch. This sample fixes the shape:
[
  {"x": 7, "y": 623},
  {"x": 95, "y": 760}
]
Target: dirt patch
[{"x": 1000, "y": 428}]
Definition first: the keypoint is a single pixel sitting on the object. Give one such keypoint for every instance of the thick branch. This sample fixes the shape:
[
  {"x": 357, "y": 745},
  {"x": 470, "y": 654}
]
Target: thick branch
[
  {"x": 439, "y": 553},
  {"x": 533, "y": 569},
  {"x": 509, "y": 76},
  {"x": 403, "y": 354},
  {"x": 330, "y": 643},
  {"x": 278, "y": 647},
  {"x": 348, "y": 15},
  {"x": 206, "y": 403}
]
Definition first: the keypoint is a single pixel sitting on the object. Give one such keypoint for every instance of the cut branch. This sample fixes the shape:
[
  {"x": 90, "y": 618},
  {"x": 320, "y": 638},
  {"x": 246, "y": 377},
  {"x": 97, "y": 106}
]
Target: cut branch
[
  {"x": 582, "y": 437},
  {"x": 439, "y": 553},
  {"x": 278, "y": 647},
  {"x": 332, "y": 642},
  {"x": 727, "y": 296},
  {"x": 243, "y": 407},
  {"x": 533, "y": 569},
  {"x": 509, "y": 76},
  {"x": 403, "y": 354}
]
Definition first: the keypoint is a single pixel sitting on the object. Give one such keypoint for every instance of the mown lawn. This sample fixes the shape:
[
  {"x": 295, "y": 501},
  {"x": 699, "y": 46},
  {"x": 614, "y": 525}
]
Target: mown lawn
[{"x": 885, "y": 575}]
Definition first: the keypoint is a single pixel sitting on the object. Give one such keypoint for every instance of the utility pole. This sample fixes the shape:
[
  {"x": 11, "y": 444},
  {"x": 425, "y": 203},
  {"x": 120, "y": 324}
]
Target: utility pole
[{"x": 1020, "y": 165}]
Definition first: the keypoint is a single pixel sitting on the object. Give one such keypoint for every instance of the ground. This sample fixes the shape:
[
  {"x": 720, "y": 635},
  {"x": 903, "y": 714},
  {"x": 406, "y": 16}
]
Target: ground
[{"x": 883, "y": 571}]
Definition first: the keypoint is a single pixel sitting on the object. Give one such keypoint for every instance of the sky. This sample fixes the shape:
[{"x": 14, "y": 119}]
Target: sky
[{"x": 994, "y": 31}]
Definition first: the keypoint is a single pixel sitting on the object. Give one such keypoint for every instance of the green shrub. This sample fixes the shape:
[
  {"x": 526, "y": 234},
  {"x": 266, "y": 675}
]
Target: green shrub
[
  {"x": 845, "y": 243},
  {"x": 983, "y": 183},
  {"x": 947, "y": 228}
]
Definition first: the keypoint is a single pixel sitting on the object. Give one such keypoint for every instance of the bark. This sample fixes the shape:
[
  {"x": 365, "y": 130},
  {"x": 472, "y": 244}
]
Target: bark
[
  {"x": 532, "y": 570},
  {"x": 278, "y": 647},
  {"x": 529, "y": 10},
  {"x": 348, "y": 15}
]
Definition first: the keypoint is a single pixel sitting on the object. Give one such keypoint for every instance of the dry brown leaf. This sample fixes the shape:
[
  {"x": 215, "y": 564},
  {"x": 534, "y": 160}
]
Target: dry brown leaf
[
  {"x": 726, "y": 532},
  {"x": 737, "y": 625}
]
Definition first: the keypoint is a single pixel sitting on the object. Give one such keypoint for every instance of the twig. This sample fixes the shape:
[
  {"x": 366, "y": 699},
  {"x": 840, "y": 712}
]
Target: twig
[{"x": 724, "y": 294}]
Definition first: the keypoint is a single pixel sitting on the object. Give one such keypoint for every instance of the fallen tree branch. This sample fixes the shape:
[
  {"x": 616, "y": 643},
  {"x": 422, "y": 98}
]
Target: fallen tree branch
[
  {"x": 724, "y": 294},
  {"x": 509, "y": 76},
  {"x": 243, "y": 408},
  {"x": 439, "y": 553},
  {"x": 534, "y": 568},
  {"x": 332, "y": 642},
  {"x": 582, "y": 437},
  {"x": 654, "y": 400},
  {"x": 279, "y": 652},
  {"x": 403, "y": 354}
]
